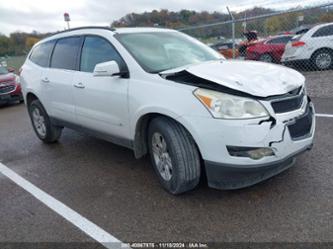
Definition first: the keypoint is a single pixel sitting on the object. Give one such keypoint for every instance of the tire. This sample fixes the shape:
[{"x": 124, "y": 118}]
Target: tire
[
  {"x": 322, "y": 59},
  {"x": 41, "y": 123},
  {"x": 266, "y": 58},
  {"x": 242, "y": 50},
  {"x": 177, "y": 154}
]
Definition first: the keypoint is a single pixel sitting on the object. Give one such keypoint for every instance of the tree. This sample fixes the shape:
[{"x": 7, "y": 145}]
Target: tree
[
  {"x": 328, "y": 17},
  {"x": 30, "y": 41}
]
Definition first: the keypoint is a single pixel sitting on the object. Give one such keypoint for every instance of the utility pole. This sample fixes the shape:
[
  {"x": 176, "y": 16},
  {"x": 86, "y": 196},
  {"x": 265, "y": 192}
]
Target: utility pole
[{"x": 233, "y": 34}]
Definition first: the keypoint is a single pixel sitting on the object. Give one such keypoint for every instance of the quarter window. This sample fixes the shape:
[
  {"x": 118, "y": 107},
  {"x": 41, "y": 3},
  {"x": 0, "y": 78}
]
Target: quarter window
[
  {"x": 324, "y": 31},
  {"x": 97, "y": 50},
  {"x": 41, "y": 54},
  {"x": 65, "y": 53}
]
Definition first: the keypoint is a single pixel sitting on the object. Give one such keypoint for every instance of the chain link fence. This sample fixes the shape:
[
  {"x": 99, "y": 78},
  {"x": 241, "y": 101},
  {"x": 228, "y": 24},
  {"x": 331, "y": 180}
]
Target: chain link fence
[{"x": 301, "y": 38}]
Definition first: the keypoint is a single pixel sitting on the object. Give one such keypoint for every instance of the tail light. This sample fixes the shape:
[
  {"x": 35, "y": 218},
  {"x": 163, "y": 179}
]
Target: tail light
[{"x": 298, "y": 44}]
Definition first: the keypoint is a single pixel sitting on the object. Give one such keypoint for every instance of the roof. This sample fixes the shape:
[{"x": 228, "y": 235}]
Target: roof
[
  {"x": 76, "y": 31},
  {"x": 118, "y": 30},
  {"x": 323, "y": 25},
  {"x": 140, "y": 29}
]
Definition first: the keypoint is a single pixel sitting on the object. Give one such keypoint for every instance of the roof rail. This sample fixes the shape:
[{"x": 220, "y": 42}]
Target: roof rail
[{"x": 84, "y": 27}]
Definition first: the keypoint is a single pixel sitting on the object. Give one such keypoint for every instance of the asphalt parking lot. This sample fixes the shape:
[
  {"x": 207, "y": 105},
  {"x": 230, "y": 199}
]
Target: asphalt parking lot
[{"x": 106, "y": 185}]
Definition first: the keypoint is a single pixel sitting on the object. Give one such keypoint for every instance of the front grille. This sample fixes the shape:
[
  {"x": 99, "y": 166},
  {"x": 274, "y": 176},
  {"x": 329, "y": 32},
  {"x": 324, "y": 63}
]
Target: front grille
[
  {"x": 302, "y": 127},
  {"x": 7, "y": 89},
  {"x": 288, "y": 103}
]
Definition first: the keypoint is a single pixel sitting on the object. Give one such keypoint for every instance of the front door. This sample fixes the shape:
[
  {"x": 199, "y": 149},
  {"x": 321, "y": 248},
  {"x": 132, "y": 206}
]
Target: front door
[{"x": 101, "y": 101}]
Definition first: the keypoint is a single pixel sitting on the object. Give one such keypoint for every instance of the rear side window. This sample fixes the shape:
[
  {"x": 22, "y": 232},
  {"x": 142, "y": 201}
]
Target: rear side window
[
  {"x": 65, "y": 53},
  {"x": 280, "y": 40},
  {"x": 324, "y": 31},
  {"x": 41, "y": 54},
  {"x": 97, "y": 50}
]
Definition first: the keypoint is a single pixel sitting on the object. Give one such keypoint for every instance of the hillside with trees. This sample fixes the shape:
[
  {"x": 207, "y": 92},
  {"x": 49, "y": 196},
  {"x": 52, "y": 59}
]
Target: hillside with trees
[
  {"x": 19, "y": 43},
  {"x": 187, "y": 18}
]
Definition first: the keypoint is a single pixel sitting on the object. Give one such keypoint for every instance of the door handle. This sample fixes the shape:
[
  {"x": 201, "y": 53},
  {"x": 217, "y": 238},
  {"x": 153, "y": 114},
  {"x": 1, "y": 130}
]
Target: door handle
[
  {"x": 79, "y": 85},
  {"x": 45, "y": 80}
]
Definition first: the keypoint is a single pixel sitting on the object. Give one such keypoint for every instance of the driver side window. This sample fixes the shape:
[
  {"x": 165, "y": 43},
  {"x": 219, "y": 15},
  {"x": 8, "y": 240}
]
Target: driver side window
[{"x": 97, "y": 50}]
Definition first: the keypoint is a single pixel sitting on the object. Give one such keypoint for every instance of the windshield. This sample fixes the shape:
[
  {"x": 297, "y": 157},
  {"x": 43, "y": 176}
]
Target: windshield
[
  {"x": 3, "y": 70},
  {"x": 160, "y": 51}
]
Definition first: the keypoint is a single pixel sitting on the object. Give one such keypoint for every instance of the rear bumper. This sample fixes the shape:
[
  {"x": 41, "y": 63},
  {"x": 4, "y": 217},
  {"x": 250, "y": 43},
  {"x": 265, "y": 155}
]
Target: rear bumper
[
  {"x": 297, "y": 63},
  {"x": 226, "y": 176}
]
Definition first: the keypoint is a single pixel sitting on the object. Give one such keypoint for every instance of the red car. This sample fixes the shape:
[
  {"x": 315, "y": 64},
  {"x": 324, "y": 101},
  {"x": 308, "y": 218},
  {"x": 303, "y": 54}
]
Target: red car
[
  {"x": 268, "y": 50},
  {"x": 10, "y": 88}
]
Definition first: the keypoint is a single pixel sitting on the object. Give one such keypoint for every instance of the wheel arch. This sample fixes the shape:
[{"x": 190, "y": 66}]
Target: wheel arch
[
  {"x": 140, "y": 145},
  {"x": 320, "y": 49},
  {"x": 30, "y": 96}
]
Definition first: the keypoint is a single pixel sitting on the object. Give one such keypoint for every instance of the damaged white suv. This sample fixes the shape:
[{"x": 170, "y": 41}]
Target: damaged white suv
[{"x": 163, "y": 93}]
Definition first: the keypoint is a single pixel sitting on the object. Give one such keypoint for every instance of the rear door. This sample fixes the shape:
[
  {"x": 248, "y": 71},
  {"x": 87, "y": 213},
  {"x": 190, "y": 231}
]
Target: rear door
[
  {"x": 101, "y": 101},
  {"x": 35, "y": 70},
  {"x": 323, "y": 37},
  {"x": 59, "y": 78},
  {"x": 278, "y": 45}
]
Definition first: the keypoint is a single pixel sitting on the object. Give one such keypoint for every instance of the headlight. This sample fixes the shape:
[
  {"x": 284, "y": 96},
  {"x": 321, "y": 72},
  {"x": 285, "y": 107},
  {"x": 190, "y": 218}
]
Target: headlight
[{"x": 226, "y": 106}]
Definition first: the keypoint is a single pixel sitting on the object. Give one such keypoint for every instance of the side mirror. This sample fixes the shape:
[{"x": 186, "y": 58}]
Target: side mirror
[{"x": 109, "y": 68}]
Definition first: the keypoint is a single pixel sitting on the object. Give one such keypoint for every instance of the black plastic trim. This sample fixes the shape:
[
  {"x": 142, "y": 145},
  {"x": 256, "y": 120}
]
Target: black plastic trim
[{"x": 110, "y": 138}]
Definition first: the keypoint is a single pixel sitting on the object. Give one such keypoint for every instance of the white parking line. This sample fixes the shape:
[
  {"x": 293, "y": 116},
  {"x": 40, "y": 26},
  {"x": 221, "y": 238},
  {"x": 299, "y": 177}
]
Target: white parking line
[
  {"x": 69, "y": 214},
  {"x": 324, "y": 115}
]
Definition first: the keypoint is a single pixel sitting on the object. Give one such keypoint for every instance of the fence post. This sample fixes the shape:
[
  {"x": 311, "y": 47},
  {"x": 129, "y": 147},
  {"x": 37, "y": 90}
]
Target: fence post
[{"x": 233, "y": 34}]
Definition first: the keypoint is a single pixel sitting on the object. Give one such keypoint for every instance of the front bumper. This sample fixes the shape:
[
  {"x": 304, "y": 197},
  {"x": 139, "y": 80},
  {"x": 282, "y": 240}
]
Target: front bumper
[
  {"x": 224, "y": 176},
  {"x": 12, "y": 96},
  {"x": 231, "y": 172}
]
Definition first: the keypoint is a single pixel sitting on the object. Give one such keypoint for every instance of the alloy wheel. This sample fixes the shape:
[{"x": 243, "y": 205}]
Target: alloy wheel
[
  {"x": 39, "y": 122},
  {"x": 161, "y": 156}
]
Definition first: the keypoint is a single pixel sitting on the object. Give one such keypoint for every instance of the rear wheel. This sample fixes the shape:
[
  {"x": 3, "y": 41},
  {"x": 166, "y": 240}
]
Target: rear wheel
[
  {"x": 174, "y": 155},
  {"x": 323, "y": 59},
  {"x": 41, "y": 123},
  {"x": 266, "y": 58}
]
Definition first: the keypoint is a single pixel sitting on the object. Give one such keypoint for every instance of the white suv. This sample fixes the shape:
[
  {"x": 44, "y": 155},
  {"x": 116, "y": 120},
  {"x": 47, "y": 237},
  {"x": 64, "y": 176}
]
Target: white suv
[
  {"x": 313, "y": 48},
  {"x": 163, "y": 93}
]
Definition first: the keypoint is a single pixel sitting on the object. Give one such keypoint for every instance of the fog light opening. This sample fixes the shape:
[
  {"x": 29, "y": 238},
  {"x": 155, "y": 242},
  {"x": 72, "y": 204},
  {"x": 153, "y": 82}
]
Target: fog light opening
[{"x": 250, "y": 152}]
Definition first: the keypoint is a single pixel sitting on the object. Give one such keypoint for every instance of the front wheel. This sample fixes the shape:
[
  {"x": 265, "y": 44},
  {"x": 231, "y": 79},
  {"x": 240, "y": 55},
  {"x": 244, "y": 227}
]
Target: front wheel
[
  {"x": 41, "y": 123},
  {"x": 174, "y": 155}
]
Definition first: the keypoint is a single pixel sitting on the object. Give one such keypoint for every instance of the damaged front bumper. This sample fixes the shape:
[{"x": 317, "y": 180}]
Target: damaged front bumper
[
  {"x": 224, "y": 176},
  {"x": 287, "y": 135}
]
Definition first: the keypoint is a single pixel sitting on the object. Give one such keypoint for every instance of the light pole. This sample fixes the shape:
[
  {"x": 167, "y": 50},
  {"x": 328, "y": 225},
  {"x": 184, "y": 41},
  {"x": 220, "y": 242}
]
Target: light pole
[{"x": 67, "y": 19}]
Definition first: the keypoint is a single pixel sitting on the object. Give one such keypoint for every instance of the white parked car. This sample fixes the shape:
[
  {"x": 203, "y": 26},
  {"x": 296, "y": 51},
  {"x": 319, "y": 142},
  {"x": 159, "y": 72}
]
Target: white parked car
[
  {"x": 163, "y": 93},
  {"x": 313, "y": 48}
]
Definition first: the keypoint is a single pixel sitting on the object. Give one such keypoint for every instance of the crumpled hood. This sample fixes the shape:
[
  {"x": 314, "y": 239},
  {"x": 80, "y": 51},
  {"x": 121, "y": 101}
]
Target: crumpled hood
[{"x": 254, "y": 78}]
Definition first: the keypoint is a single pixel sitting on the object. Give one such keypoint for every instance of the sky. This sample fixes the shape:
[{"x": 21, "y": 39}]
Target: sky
[{"x": 47, "y": 15}]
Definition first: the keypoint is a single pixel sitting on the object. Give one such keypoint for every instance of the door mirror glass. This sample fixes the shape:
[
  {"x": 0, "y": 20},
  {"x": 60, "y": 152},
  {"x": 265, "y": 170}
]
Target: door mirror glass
[{"x": 109, "y": 68}]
